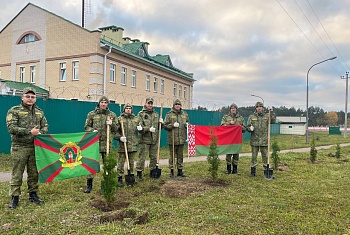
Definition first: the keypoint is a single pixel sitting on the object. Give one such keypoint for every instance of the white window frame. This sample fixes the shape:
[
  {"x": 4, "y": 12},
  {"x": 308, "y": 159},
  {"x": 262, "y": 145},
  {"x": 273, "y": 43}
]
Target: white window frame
[
  {"x": 185, "y": 93},
  {"x": 22, "y": 74},
  {"x": 148, "y": 82},
  {"x": 180, "y": 91},
  {"x": 175, "y": 89},
  {"x": 133, "y": 78},
  {"x": 75, "y": 67},
  {"x": 63, "y": 72},
  {"x": 162, "y": 86},
  {"x": 32, "y": 73},
  {"x": 112, "y": 73},
  {"x": 123, "y": 77},
  {"x": 155, "y": 84}
]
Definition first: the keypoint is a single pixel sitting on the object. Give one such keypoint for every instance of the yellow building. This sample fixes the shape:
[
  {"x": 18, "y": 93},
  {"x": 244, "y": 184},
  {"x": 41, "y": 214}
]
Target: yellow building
[{"x": 72, "y": 62}]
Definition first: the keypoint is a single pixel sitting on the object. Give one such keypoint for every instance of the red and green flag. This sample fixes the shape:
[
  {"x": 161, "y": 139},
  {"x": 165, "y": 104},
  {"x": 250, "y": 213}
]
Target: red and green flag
[
  {"x": 63, "y": 156},
  {"x": 229, "y": 139}
]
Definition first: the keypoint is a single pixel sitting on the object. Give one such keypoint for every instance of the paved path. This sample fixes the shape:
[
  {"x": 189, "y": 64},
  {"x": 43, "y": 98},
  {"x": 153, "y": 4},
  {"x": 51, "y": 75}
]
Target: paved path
[{"x": 6, "y": 176}]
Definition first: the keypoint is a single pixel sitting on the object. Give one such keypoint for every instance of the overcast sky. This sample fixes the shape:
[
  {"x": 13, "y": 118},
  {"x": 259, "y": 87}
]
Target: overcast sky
[{"x": 235, "y": 48}]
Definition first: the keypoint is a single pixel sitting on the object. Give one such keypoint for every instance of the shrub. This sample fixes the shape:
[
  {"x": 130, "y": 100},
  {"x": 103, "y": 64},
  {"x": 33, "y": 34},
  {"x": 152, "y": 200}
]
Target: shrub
[
  {"x": 109, "y": 181},
  {"x": 313, "y": 150},
  {"x": 274, "y": 155},
  {"x": 213, "y": 157},
  {"x": 337, "y": 152}
]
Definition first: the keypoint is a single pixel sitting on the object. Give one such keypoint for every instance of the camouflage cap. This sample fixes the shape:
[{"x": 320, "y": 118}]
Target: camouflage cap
[
  {"x": 149, "y": 99},
  {"x": 103, "y": 98},
  {"x": 259, "y": 104},
  {"x": 127, "y": 105},
  {"x": 177, "y": 101},
  {"x": 233, "y": 105},
  {"x": 29, "y": 89}
]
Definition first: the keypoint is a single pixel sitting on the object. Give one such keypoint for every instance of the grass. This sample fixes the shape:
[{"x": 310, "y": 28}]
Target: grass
[{"x": 305, "y": 199}]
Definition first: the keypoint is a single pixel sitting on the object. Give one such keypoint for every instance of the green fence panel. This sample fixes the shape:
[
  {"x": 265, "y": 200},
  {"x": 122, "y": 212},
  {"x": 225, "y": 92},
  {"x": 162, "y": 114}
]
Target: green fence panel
[{"x": 334, "y": 130}]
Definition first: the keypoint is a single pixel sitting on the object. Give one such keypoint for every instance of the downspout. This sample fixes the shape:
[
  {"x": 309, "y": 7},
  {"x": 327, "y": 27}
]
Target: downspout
[{"x": 104, "y": 70}]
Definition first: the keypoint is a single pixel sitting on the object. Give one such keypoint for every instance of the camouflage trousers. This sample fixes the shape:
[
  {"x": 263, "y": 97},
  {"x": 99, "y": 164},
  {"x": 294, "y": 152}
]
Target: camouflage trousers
[
  {"x": 121, "y": 162},
  {"x": 255, "y": 150},
  {"x": 23, "y": 157},
  {"x": 178, "y": 154},
  {"x": 149, "y": 150},
  {"x": 103, "y": 155},
  {"x": 232, "y": 159}
]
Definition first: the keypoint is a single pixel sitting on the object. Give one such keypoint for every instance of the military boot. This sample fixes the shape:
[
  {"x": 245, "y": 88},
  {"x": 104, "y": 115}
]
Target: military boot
[
  {"x": 33, "y": 197},
  {"x": 120, "y": 181},
  {"x": 228, "y": 169},
  {"x": 252, "y": 171},
  {"x": 180, "y": 173},
  {"x": 88, "y": 186},
  {"x": 14, "y": 202},
  {"x": 139, "y": 175},
  {"x": 235, "y": 169}
]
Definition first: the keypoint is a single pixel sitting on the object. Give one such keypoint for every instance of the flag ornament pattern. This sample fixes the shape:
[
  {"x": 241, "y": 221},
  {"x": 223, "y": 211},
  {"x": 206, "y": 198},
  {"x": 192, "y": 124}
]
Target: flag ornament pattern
[
  {"x": 63, "y": 156},
  {"x": 229, "y": 139}
]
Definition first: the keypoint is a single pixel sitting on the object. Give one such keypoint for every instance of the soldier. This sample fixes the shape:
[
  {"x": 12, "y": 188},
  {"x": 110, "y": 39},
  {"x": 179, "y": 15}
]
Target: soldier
[
  {"x": 176, "y": 121},
  {"x": 97, "y": 121},
  {"x": 258, "y": 127},
  {"x": 131, "y": 138},
  {"x": 148, "y": 127},
  {"x": 24, "y": 122},
  {"x": 233, "y": 118}
]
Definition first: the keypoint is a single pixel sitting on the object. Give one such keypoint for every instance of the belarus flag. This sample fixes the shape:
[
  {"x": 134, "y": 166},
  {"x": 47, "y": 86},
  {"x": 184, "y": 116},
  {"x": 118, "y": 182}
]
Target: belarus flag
[
  {"x": 229, "y": 139},
  {"x": 63, "y": 156}
]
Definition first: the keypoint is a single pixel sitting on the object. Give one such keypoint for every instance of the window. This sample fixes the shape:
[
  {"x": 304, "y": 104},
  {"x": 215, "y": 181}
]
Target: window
[
  {"x": 180, "y": 91},
  {"x": 32, "y": 74},
  {"x": 161, "y": 86},
  {"x": 28, "y": 38},
  {"x": 75, "y": 70},
  {"x": 123, "y": 79},
  {"x": 0, "y": 73},
  {"x": 63, "y": 72},
  {"x": 133, "y": 78},
  {"x": 185, "y": 93},
  {"x": 141, "y": 52},
  {"x": 155, "y": 84},
  {"x": 22, "y": 74},
  {"x": 112, "y": 68},
  {"x": 175, "y": 88},
  {"x": 147, "y": 83}
]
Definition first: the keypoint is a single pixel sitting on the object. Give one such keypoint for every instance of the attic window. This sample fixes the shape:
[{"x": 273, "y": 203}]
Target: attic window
[
  {"x": 30, "y": 37},
  {"x": 167, "y": 62},
  {"x": 141, "y": 52}
]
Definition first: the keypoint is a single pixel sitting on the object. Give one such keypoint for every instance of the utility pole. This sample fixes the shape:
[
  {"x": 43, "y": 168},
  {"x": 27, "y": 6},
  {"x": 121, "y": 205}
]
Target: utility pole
[{"x": 346, "y": 103}]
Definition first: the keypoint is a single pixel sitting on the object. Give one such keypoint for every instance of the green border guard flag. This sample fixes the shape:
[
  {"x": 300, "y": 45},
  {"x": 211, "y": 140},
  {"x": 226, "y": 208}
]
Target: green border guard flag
[
  {"x": 229, "y": 139},
  {"x": 63, "y": 156}
]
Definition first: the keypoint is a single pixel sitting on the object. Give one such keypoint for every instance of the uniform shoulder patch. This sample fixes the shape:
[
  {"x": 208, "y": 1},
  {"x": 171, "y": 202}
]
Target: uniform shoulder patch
[{"x": 9, "y": 117}]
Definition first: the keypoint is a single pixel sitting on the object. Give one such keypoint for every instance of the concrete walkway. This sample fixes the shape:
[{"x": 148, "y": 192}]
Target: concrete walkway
[{"x": 6, "y": 176}]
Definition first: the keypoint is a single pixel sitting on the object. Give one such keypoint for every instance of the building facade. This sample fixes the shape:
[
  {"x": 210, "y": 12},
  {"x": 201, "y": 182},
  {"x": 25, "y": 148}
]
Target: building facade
[{"x": 72, "y": 62}]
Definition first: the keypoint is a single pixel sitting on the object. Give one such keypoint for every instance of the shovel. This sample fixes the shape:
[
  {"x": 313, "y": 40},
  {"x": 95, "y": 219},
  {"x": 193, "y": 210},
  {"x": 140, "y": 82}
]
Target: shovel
[
  {"x": 268, "y": 173},
  {"x": 129, "y": 178},
  {"x": 173, "y": 142},
  {"x": 157, "y": 172}
]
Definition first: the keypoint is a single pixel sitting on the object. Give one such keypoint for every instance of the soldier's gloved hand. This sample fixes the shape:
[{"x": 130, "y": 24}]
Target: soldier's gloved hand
[
  {"x": 123, "y": 139},
  {"x": 161, "y": 120},
  {"x": 109, "y": 122},
  {"x": 152, "y": 129},
  {"x": 95, "y": 131},
  {"x": 270, "y": 108},
  {"x": 176, "y": 124},
  {"x": 251, "y": 128},
  {"x": 186, "y": 124},
  {"x": 139, "y": 128}
]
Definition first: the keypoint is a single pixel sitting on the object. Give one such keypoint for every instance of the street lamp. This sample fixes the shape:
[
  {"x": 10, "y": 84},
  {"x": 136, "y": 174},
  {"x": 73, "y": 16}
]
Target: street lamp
[
  {"x": 346, "y": 104},
  {"x": 307, "y": 97},
  {"x": 259, "y": 97}
]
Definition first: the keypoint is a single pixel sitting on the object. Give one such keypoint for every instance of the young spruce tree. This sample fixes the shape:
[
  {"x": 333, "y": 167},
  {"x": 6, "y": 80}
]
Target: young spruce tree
[
  {"x": 109, "y": 181},
  {"x": 213, "y": 157}
]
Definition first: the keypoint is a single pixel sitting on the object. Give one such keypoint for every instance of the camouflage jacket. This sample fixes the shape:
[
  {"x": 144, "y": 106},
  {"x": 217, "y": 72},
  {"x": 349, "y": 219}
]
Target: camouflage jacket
[
  {"x": 180, "y": 133},
  {"x": 258, "y": 137},
  {"x": 96, "y": 120},
  {"x": 236, "y": 117},
  {"x": 20, "y": 120},
  {"x": 130, "y": 122},
  {"x": 147, "y": 119}
]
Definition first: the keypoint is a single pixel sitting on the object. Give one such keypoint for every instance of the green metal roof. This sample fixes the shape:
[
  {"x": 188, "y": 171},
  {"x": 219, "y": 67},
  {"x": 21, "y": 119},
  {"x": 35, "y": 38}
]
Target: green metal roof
[{"x": 22, "y": 85}]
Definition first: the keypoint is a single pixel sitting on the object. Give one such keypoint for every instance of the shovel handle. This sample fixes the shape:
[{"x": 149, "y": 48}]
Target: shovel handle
[
  {"x": 125, "y": 146},
  {"x": 108, "y": 133},
  {"x": 173, "y": 142},
  {"x": 159, "y": 132},
  {"x": 268, "y": 138}
]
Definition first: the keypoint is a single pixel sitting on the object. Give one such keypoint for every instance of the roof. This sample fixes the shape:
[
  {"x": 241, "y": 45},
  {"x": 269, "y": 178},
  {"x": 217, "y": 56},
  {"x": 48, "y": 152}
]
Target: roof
[
  {"x": 286, "y": 119},
  {"x": 21, "y": 85}
]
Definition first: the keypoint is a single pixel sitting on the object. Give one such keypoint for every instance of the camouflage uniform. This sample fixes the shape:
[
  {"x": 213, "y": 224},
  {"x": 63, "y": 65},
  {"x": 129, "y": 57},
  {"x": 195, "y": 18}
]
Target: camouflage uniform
[
  {"x": 259, "y": 136},
  {"x": 130, "y": 122},
  {"x": 20, "y": 120},
  {"x": 96, "y": 120},
  {"x": 232, "y": 159},
  {"x": 148, "y": 140},
  {"x": 180, "y": 135}
]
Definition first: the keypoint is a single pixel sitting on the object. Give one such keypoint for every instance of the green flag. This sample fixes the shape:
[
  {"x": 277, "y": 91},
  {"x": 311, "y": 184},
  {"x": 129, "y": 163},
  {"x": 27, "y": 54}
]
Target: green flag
[{"x": 63, "y": 156}]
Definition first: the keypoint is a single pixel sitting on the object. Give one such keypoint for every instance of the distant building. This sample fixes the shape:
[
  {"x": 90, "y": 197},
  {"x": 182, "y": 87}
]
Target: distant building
[
  {"x": 292, "y": 125},
  {"x": 72, "y": 62}
]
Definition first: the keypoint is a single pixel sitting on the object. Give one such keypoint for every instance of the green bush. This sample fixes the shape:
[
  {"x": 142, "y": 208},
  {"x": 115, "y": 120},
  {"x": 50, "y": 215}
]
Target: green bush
[
  {"x": 274, "y": 155},
  {"x": 213, "y": 157},
  {"x": 313, "y": 150},
  {"x": 110, "y": 178}
]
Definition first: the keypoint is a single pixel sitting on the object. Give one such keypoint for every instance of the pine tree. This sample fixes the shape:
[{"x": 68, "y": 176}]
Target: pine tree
[
  {"x": 213, "y": 157},
  {"x": 109, "y": 181}
]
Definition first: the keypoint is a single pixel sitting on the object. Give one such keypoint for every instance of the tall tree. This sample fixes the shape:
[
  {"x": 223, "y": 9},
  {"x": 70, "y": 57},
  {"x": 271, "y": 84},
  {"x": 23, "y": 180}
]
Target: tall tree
[{"x": 331, "y": 118}]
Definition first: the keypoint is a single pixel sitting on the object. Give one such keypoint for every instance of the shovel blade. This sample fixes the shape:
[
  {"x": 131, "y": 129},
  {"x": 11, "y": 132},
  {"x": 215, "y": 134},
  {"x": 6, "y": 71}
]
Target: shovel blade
[
  {"x": 130, "y": 179},
  {"x": 268, "y": 173}
]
